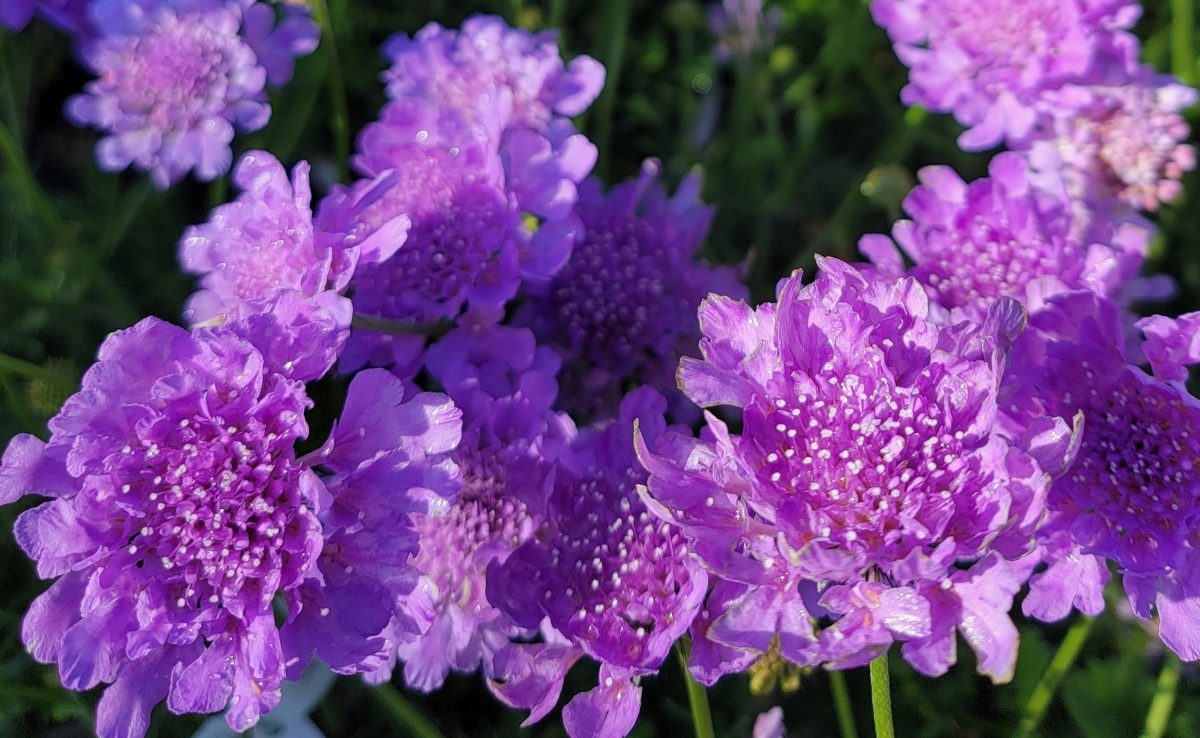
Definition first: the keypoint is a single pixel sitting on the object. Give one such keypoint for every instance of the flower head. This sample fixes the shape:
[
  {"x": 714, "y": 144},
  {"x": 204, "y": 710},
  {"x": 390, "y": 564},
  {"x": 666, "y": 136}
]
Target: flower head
[
  {"x": 173, "y": 83},
  {"x": 1110, "y": 144},
  {"x": 488, "y": 58},
  {"x": 1001, "y": 237},
  {"x": 742, "y": 27},
  {"x": 870, "y": 463},
  {"x": 988, "y": 62},
  {"x": 1130, "y": 496},
  {"x": 505, "y": 386},
  {"x": 181, "y": 511},
  {"x": 608, "y": 578},
  {"x": 466, "y": 247},
  {"x": 623, "y": 308},
  {"x": 265, "y": 241}
]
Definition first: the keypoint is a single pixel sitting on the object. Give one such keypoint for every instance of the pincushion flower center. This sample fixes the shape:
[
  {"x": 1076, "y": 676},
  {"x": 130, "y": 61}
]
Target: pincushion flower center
[{"x": 215, "y": 507}]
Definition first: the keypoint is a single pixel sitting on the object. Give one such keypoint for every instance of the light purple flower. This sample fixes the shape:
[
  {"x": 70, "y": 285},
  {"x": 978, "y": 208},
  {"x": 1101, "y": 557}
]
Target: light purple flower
[
  {"x": 1002, "y": 237},
  {"x": 989, "y": 62},
  {"x": 175, "y": 80},
  {"x": 742, "y": 27},
  {"x": 1113, "y": 145},
  {"x": 490, "y": 59},
  {"x": 515, "y": 85},
  {"x": 181, "y": 512},
  {"x": 870, "y": 463},
  {"x": 1130, "y": 496},
  {"x": 265, "y": 241},
  {"x": 605, "y": 578},
  {"x": 505, "y": 386},
  {"x": 467, "y": 246},
  {"x": 623, "y": 309},
  {"x": 770, "y": 724}
]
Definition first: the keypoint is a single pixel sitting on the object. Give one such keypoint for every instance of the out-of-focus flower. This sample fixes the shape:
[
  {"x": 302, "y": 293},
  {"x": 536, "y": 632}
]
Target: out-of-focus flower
[
  {"x": 264, "y": 241},
  {"x": 989, "y": 63},
  {"x": 742, "y": 27},
  {"x": 1001, "y": 237},
  {"x": 1130, "y": 496},
  {"x": 871, "y": 461},
  {"x": 174, "y": 82},
  {"x": 605, "y": 578},
  {"x": 770, "y": 724},
  {"x": 623, "y": 309},
  {"x": 1114, "y": 145},
  {"x": 181, "y": 513}
]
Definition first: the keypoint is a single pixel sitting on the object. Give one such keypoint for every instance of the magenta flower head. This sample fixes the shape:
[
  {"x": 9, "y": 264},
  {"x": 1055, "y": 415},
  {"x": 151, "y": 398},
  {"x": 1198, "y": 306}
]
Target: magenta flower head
[
  {"x": 1000, "y": 236},
  {"x": 181, "y": 515},
  {"x": 870, "y": 486},
  {"x": 174, "y": 81},
  {"x": 989, "y": 62},
  {"x": 1114, "y": 145},
  {"x": 623, "y": 309},
  {"x": 505, "y": 386},
  {"x": 605, "y": 577},
  {"x": 265, "y": 241},
  {"x": 1130, "y": 496}
]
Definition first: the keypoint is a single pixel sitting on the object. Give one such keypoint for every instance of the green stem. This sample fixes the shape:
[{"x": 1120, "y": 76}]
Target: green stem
[
  {"x": 13, "y": 365},
  {"x": 617, "y": 29},
  {"x": 405, "y": 713},
  {"x": 841, "y": 703},
  {"x": 340, "y": 123},
  {"x": 1039, "y": 700},
  {"x": 1183, "y": 26},
  {"x": 1164, "y": 698},
  {"x": 881, "y": 697},
  {"x": 697, "y": 698},
  {"x": 14, "y": 160},
  {"x": 397, "y": 327}
]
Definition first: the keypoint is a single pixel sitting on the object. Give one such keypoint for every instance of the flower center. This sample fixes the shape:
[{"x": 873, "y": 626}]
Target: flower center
[
  {"x": 216, "y": 510},
  {"x": 873, "y": 467},
  {"x": 1133, "y": 477}
]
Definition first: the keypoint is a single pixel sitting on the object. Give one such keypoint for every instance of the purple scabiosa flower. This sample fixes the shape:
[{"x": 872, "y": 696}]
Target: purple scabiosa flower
[
  {"x": 742, "y": 27},
  {"x": 990, "y": 62},
  {"x": 605, "y": 577},
  {"x": 467, "y": 246},
  {"x": 1130, "y": 496},
  {"x": 1115, "y": 145},
  {"x": 622, "y": 310},
  {"x": 174, "y": 81},
  {"x": 505, "y": 386},
  {"x": 870, "y": 465},
  {"x": 515, "y": 81},
  {"x": 1000, "y": 236},
  {"x": 487, "y": 58},
  {"x": 181, "y": 514},
  {"x": 264, "y": 241}
]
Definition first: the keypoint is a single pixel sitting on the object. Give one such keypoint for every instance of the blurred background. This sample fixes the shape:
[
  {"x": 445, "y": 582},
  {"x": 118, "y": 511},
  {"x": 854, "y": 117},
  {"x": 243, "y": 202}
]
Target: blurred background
[{"x": 792, "y": 114}]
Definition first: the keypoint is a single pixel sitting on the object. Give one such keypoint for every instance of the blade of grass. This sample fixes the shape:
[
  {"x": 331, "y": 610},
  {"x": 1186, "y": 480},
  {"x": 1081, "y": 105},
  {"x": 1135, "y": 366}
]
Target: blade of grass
[
  {"x": 1164, "y": 698},
  {"x": 1043, "y": 694}
]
